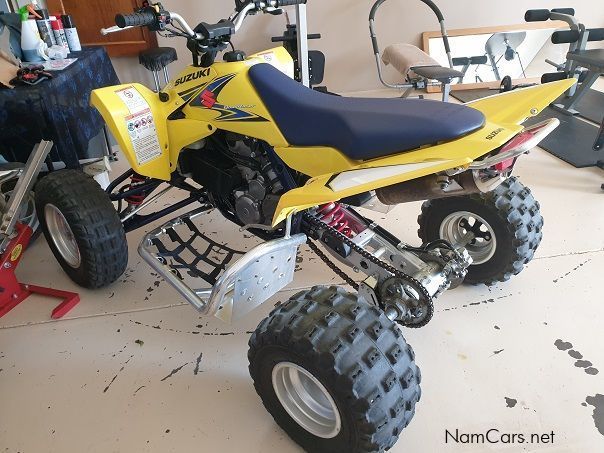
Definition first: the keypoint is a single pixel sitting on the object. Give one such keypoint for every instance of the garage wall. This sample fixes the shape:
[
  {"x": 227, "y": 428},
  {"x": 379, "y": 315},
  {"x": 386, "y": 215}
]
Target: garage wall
[{"x": 344, "y": 26}]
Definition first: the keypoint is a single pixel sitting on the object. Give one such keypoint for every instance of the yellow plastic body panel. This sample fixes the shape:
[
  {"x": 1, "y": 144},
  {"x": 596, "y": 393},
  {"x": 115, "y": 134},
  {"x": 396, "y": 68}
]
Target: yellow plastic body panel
[
  {"x": 515, "y": 107},
  {"x": 504, "y": 115},
  {"x": 115, "y": 113},
  {"x": 203, "y": 100},
  {"x": 196, "y": 121}
]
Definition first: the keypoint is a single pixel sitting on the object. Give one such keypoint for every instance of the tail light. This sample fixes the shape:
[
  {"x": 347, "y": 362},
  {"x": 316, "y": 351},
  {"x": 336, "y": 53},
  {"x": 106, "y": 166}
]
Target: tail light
[{"x": 520, "y": 144}]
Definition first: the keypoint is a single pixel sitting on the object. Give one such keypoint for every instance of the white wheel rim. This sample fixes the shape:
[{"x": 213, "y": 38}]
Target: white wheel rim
[
  {"x": 62, "y": 236},
  {"x": 306, "y": 400},
  {"x": 463, "y": 228}
]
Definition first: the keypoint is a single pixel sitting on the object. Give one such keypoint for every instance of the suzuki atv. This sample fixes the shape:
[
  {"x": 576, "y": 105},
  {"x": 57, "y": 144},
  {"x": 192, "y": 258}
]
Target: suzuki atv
[{"x": 291, "y": 165}]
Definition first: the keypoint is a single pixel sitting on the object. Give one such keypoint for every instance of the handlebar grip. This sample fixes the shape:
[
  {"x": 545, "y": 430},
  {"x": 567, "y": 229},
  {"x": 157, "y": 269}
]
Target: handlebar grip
[
  {"x": 140, "y": 19},
  {"x": 537, "y": 15},
  {"x": 282, "y": 3}
]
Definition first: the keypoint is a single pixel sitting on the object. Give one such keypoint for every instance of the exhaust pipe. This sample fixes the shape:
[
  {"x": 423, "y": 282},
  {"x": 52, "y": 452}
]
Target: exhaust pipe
[{"x": 433, "y": 186}]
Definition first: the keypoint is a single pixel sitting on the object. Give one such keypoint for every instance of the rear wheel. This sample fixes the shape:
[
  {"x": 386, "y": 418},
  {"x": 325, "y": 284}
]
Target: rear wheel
[
  {"x": 82, "y": 228},
  {"x": 334, "y": 372},
  {"x": 500, "y": 229}
]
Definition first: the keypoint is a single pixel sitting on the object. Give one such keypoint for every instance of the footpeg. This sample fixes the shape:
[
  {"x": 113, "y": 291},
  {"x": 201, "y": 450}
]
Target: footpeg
[{"x": 234, "y": 282}]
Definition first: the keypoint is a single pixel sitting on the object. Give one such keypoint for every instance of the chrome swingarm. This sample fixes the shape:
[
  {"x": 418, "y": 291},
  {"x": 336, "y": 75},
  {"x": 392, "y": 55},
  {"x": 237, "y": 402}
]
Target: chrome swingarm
[
  {"x": 401, "y": 280},
  {"x": 234, "y": 282}
]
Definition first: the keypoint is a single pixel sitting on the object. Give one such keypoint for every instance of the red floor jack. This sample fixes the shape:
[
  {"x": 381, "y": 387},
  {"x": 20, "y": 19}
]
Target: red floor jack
[{"x": 15, "y": 236}]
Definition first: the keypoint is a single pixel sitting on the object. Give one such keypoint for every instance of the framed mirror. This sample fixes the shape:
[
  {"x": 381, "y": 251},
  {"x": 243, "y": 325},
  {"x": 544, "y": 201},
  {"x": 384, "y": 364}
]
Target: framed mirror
[{"x": 486, "y": 55}]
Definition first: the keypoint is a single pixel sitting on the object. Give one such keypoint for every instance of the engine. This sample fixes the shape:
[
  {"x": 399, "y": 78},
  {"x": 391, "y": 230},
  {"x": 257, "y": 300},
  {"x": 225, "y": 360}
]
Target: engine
[
  {"x": 238, "y": 174},
  {"x": 256, "y": 201}
]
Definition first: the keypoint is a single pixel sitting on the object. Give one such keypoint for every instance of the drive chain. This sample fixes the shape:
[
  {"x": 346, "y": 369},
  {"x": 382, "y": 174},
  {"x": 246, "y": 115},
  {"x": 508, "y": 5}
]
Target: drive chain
[{"x": 425, "y": 299}]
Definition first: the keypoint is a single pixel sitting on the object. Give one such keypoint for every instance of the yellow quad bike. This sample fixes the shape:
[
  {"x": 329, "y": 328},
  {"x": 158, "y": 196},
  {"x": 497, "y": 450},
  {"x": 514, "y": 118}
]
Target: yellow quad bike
[{"x": 291, "y": 165}]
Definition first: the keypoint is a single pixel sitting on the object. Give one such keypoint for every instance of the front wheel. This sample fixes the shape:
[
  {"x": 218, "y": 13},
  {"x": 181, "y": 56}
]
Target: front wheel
[
  {"x": 500, "y": 229},
  {"x": 334, "y": 372},
  {"x": 82, "y": 228}
]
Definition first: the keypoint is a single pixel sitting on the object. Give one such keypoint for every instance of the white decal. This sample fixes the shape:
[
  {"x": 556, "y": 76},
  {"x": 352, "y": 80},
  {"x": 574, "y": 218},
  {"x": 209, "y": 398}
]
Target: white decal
[
  {"x": 354, "y": 178},
  {"x": 133, "y": 99},
  {"x": 141, "y": 125}
]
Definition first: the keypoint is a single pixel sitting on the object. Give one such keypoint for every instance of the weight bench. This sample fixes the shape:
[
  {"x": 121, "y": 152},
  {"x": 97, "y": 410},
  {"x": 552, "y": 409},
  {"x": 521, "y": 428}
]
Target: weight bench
[
  {"x": 593, "y": 61},
  {"x": 418, "y": 68},
  {"x": 586, "y": 65}
]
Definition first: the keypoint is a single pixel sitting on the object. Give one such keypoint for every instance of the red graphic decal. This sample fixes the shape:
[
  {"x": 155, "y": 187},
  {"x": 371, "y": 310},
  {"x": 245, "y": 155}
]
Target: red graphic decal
[{"x": 208, "y": 99}]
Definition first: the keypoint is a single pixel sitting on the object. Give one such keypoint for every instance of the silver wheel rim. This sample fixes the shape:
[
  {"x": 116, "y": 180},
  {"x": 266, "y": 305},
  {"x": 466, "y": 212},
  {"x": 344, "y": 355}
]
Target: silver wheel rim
[
  {"x": 62, "y": 236},
  {"x": 27, "y": 210},
  {"x": 471, "y": 231},
  {"x": 306, "y": 400}
]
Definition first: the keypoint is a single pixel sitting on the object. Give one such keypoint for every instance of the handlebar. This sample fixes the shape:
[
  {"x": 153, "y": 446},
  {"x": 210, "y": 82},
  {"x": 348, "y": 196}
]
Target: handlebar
[
  {"x": 286, "y": 39},
  {"x": 152, "y": 17},
  {"x": 142, "y": 18},
  {"x": 282, "y": 3}
]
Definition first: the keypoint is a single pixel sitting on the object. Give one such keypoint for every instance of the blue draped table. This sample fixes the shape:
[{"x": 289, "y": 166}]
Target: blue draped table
[{"x": 57, "y": 110}]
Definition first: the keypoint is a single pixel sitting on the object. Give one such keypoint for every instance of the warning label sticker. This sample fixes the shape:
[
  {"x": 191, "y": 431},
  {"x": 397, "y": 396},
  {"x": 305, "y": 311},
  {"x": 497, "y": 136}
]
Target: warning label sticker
[
  {"x": 133, "y": 99},
  {"x": 140, "y": 125},
  {"x": 143, "y": 136}
]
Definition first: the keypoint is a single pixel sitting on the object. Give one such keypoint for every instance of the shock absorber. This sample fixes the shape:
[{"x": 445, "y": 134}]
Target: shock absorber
[
  {"x": 336, "y": 216},
  {"x": 138, "y": 198}
]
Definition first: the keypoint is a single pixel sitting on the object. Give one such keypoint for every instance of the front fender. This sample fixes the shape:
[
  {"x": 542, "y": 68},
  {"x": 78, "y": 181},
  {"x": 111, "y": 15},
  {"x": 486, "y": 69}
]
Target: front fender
[{"x": 135, "y": 116}]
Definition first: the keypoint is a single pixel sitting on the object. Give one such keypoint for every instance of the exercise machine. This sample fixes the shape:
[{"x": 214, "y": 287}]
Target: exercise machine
[
  {"x": 599, "y": 145},
  {"x": 417, "y": 67},
  {"x": 466, "y": 62},
  {"x": 586, "y": 65},
  {"x": 316, "y": 58}
]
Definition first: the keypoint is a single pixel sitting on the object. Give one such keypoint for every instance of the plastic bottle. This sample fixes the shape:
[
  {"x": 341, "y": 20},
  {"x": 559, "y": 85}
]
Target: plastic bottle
[
  {"x": 31, "y": 44},
  {"x": 57, "y": 28},
  {"x": 71, "y": 33}
]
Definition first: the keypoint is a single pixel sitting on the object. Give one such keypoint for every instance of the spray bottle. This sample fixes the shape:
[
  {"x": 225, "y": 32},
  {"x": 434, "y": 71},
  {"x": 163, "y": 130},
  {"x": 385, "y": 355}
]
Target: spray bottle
[
  {"x": 44, "y": 27},
  {"x": 71, "y": 34},
  {"x": 31, "y": 44},
  {"x": 59, "y": 31}
]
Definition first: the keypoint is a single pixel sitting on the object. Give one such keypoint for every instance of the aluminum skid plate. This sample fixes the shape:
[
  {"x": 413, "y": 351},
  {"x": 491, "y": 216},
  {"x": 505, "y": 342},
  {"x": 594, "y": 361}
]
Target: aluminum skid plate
[{"x": 234, "y": 282}]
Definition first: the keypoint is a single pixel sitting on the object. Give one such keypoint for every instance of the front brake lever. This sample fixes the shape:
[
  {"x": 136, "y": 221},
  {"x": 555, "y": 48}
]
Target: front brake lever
[{"x": 114, "y": 29}]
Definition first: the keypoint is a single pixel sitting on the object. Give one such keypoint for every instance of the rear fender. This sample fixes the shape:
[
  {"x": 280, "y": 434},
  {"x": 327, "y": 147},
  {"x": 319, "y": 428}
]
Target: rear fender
[
  {"x": 515, "y": 107},
  {"x": 504, "y": 114}
]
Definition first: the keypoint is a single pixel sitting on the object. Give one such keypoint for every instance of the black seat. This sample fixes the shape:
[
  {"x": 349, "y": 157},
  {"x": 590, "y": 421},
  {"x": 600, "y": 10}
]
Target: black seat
[
  {"x": 158, "y": 58},
  {"x": 360, "y": 128}
]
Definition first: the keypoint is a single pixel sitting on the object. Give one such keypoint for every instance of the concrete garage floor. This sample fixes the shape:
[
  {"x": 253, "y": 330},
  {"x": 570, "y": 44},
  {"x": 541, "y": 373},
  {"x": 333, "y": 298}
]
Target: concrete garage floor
[{"x": 134, "y": 369}]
